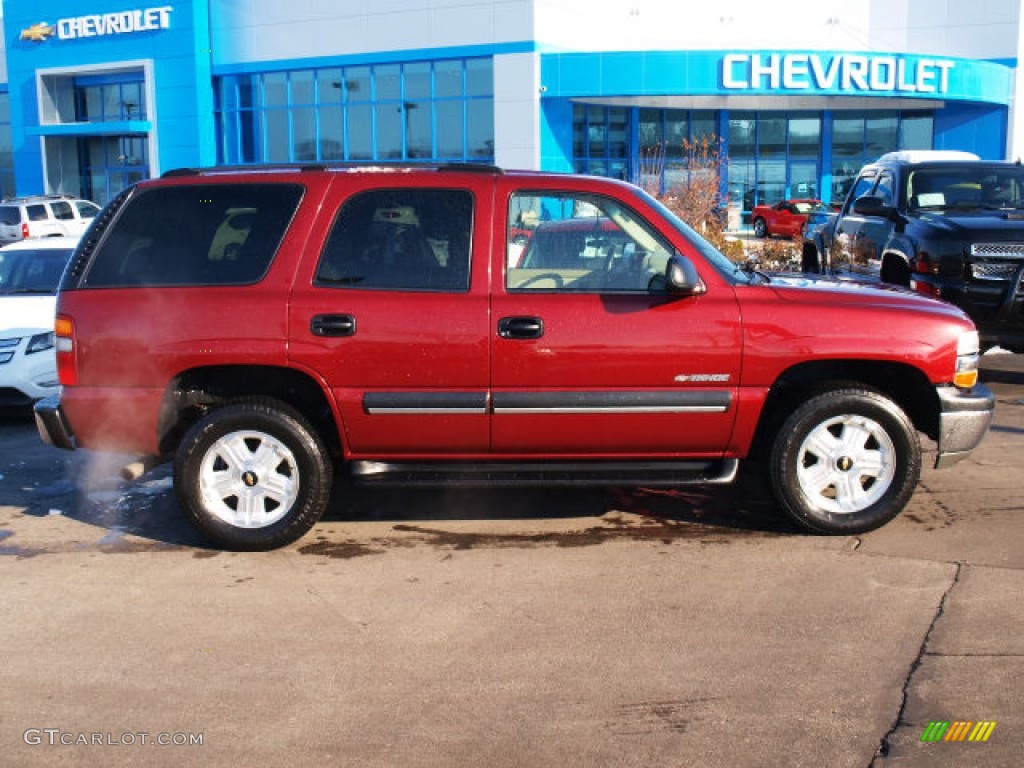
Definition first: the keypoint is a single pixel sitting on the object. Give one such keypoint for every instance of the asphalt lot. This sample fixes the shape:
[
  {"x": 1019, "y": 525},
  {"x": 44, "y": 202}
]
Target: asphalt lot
[{"x": 625, "y": 628}]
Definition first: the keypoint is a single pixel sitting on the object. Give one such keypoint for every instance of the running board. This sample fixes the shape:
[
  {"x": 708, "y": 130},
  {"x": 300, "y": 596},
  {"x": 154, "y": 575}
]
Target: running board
[{"x": 662, "y": 474}]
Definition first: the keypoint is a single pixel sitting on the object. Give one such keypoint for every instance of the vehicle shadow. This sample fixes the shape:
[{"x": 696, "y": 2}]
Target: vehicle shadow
[{"x": 143, "y": 514}]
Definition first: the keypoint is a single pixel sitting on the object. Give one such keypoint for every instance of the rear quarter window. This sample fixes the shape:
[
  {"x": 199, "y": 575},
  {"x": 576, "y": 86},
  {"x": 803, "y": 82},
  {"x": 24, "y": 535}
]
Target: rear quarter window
[
  {"x": 10, "y": 215},
  {"x": 203, "y": 234}
]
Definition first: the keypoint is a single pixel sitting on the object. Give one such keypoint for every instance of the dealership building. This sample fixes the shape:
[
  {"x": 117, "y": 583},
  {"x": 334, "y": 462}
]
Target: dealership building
[{"x": 98, "y": 94}]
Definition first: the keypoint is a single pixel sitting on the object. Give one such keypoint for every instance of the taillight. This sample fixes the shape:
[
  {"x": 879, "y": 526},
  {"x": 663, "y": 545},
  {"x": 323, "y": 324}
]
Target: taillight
[
  {"x": 67, "y": 362},
  {"x": 24, "y": 230},
  {"x": 926, "y": 288}
]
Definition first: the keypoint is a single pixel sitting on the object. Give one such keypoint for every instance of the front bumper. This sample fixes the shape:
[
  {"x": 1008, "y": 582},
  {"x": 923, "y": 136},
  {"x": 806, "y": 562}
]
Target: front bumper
[
  {"x": 52, "y": 425},
  {"x": 964, "y": 418}
]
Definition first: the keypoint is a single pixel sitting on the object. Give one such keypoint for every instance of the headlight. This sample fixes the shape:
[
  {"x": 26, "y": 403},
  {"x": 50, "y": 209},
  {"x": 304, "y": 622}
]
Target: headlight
[
  {"x": 967, "y": 349},
  {"x": 39, "y": 343}
]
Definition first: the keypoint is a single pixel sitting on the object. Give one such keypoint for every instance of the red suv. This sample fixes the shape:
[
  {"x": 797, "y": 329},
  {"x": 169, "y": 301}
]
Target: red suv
[{"x": 267, "y": 327}]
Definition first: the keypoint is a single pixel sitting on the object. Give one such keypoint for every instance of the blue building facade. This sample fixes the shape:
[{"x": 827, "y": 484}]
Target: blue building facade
[{"x": 102, "y": 93}]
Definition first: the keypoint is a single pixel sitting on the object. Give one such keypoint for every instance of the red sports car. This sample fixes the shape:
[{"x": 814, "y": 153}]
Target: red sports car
[{"x": 785, "y": 218}]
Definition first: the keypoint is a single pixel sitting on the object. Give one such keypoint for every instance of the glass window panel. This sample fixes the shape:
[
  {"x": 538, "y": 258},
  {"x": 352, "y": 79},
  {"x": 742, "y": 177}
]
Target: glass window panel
[
  {"x": 112, "y": 102},
  {"x": 480, "y": 126},
  {"x": 276, "y": 148},
  {"x": 419, "y": 138},
  {"x": 389, "y": 131},
  {"x": 417, "y": 80},
  {"x": 847, "y": 153},
  {"x": 275, "y": 89},
  {"x": 881, "y": 134},
  {"x": 771, "y": 138},
  {"x": 448, "y": 79},
  {"x": 332, "y": 133},
  {"x": 90, "y": 104},
  {"x": 596, "y": 131},
  {"x": 703, "y": 124},
  {"x": 249, "y": 136},
  {"x": 227, "y": 90},
  {"x": 247, "y": 90},
  {"x": 387, "y": 82},
  {"x": 133, "y": 101},
  {"x": 741, "y": 182},
  {"x": 618, "y": 122},
  {"x": 479, "y": 77},
  {"x": 804, "y": 137},
  {"x": 304, "y": 134},
  {"x": 677, "y": 132},
  {"x": 742, "y": 134},
  {"x": 329, "y": 86},
  {"x": 302, "y": 87},
  {"x": 5, "y": 108},
  {"x": 360, "y": 132},
  {"x": 450, "y": 142},
  {"x": 649, "y": 127},
  {"x": 916, "y": 132},
  {"x": 357, "y": 84},
  {"x": 579, "y": 130}
]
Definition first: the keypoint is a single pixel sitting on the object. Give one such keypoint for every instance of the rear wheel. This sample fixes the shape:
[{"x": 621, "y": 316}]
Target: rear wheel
[
  {"x": 253, "y": 475},
  {"x": 846, "y": 461},
  {"x": 760, "y": 228}
]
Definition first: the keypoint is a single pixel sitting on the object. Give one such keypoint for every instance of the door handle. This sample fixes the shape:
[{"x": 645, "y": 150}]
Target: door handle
[
  {"x": 521, "y": 327},
  {"x": 333, "y": 325}
]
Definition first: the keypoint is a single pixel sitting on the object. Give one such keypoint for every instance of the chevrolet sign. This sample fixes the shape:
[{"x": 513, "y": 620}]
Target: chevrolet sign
[
  {"x": 96, "y": 25},
  {"x": 843, "y": 73}
]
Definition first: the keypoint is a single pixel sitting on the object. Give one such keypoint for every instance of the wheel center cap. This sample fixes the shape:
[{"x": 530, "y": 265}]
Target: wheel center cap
[
  {"x": 249, "y": 478},
  {"x": 844, "y": 464}
]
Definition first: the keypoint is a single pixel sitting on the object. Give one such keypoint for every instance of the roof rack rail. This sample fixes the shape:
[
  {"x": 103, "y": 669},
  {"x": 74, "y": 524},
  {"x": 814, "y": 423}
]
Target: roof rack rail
[
  {"x": 327, "y": 166},
  {"x": 471, "y": 168}
]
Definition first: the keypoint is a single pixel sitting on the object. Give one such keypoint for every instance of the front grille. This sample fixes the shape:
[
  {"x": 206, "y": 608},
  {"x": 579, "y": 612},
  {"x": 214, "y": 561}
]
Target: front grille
[
  {"x": 995, "y": 270},
  {"x": 998, "y": 250}
]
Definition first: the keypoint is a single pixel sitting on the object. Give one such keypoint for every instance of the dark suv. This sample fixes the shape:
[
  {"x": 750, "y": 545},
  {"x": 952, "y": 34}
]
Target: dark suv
[
  {"x": 266, "y": 328},
  {"x": 944, "y": 223}
]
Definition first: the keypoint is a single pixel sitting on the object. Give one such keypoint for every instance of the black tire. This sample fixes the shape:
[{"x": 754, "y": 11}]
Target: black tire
[
  {"x": 253, "y": 475},
  {"x": 760, "y": 228},
  {"x": 846, "y": 461}
]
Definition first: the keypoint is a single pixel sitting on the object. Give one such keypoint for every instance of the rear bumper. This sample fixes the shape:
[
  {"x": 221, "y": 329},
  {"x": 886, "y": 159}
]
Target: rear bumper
[
  {"x": 964, "y": 418},
  {"x": 52, "y": 425}
]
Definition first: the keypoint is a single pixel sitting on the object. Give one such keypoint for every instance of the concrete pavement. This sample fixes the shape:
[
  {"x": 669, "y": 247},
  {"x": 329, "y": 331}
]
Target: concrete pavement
[{"x": 512, "y": 628}]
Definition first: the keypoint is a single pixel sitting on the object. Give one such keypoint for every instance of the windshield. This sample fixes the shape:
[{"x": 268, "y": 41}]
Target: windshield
[
  {"x": 966, "y": 187},
  {"x": 716, "y": 258},
  {"x": 32, "y": 271}
]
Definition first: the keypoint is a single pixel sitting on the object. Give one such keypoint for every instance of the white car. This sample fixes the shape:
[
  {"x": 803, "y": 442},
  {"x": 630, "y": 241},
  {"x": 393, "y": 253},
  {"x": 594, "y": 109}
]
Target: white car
[
  {"x": 30, "y": 273},
  {"x": 22, "y": 218}
]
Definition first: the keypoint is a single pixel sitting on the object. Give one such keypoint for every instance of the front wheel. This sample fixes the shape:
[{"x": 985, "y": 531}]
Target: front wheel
[
  {"x": 846, "y": 461},
  {"x": 253, "y": 475},
  {"x": 760, "y": 228}
]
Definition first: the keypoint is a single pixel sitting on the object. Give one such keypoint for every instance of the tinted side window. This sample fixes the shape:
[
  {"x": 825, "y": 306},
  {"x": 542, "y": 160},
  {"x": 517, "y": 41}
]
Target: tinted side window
[
  {"x": 62, "y": 210},
  {"x": 400, "y": 239},
  {"x": 86, "y": 210},
  {"x": 203, "y": 234},
  {"x": 37, "y": 212}
]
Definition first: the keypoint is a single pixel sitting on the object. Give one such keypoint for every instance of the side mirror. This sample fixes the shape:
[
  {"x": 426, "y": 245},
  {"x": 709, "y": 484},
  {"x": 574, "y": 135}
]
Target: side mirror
[
  {"x": 873, "y": 205},
  {"x": 681, "y": 278}
]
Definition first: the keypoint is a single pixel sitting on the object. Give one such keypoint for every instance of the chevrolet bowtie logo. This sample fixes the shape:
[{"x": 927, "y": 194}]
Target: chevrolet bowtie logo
[{"x": 38, "y": 32}]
